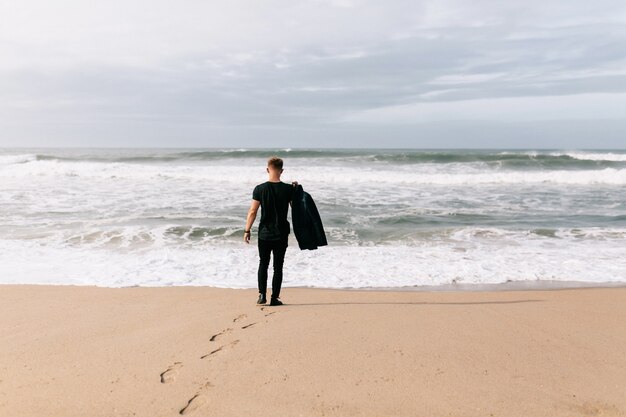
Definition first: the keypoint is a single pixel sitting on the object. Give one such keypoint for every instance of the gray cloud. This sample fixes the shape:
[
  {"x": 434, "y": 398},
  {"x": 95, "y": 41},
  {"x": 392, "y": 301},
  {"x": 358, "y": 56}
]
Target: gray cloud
[{"x": 300, "y": 73}]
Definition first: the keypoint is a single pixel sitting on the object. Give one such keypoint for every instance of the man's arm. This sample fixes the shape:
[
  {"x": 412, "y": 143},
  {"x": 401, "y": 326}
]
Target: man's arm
[{"x": 254, "y": 207}]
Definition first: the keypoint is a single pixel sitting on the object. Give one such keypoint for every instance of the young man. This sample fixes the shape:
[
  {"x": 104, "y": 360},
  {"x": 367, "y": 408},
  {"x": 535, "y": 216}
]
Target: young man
[{"x": 274, "y": 198}]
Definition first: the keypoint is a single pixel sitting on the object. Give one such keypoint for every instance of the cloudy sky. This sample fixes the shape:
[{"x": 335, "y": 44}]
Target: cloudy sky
[{"x": 295, "y": 73}]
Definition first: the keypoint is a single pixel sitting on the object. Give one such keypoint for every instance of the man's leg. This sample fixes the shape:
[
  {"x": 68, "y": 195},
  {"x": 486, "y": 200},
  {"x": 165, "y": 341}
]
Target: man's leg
[
  {"x": 280, "y": 248},
  {"x": 265, "y": 250}
]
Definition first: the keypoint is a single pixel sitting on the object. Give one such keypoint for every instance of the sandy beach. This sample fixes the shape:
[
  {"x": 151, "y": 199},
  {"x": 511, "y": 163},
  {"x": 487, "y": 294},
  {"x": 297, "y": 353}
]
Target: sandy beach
[{"x": 199, "y": 351}]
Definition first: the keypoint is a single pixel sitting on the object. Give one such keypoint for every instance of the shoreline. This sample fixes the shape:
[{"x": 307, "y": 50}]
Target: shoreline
[{"x": 535, "y": 285}]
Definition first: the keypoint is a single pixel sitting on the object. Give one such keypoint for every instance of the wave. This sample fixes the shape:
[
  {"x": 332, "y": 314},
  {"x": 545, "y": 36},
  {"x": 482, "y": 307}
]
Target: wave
[
  {"x": 306, "y": 173},
  {"x": 510, "y": 160},
  {"x": 17, "y": 159},
  {"x": 587, "y": 156},
  {"x": 147, "y": 233},
  {"x": 130, "y": 156},
  {"x": 495, "y": 158}
]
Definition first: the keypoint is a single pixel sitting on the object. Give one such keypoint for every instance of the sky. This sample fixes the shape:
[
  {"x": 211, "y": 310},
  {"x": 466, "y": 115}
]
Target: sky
[{"x": 315, "y": 73}]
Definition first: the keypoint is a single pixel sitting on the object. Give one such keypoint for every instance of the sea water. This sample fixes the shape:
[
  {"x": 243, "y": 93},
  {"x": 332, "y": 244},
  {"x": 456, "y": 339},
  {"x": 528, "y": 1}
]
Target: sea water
[{"x": 393, "y": 218}]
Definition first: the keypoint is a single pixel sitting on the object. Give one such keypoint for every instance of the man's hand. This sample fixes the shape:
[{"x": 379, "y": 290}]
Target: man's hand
[{"x": 246, "y": 237}]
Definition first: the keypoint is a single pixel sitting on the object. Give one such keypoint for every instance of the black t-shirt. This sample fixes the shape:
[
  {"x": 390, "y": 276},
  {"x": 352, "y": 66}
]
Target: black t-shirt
[{"x": 283, "y": 194}]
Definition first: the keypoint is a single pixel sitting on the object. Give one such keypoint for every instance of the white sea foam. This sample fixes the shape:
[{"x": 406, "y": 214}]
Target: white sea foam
[
  {"x": 428, "y": 174},
  {"x": 488, "y": 259},
  {"x": 16, "y": 159},
  {"x": 595, "y": 156}
]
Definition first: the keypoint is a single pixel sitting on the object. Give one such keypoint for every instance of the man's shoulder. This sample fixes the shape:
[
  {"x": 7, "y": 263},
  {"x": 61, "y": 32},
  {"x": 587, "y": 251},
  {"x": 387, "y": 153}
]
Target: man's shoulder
[
  {"x": 288, "y": 189},
  {"x": 277, "y": 186},
  {"x": 258, "y": 190},
  {"x": 261, "y": 186},
  {"x": 280, "y": 185}
]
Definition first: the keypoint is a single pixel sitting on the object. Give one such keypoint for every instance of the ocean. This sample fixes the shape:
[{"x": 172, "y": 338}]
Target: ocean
[{"x": 393, "y": 217}]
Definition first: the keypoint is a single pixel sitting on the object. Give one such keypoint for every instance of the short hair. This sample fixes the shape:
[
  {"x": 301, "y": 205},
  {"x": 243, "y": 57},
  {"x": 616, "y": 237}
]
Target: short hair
[{"x": 275, "y": 162}]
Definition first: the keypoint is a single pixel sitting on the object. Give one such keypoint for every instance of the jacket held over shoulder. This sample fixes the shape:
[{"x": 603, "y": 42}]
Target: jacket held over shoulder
[{"x": 307, "y": 224}]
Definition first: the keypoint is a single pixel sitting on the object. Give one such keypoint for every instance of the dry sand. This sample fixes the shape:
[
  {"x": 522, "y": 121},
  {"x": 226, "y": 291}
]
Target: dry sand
[{"x": 82, "y": 351}]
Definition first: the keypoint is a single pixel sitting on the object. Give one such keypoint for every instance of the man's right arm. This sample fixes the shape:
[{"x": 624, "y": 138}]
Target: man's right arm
[{"x": 254, "y": 208}]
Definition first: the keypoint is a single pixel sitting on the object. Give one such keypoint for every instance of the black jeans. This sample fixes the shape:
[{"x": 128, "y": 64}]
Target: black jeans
[{"x": 266, "y": 247}]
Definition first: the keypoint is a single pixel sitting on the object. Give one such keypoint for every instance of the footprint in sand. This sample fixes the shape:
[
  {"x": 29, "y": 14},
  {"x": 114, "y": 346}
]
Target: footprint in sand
[
  {"x": 170, "y": 374},
  {"x": 239, "y": 318},
  {"x": 248, "y": 325},
  {"x": 219, "y": 349},
  {"x": 270, "y": 313},
  {"x": 216, "y": 336},
  {"x": 197, "y": 401}
]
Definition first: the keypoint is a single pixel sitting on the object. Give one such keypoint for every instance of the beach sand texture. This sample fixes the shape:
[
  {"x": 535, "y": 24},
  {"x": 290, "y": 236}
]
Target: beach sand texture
[{"x": 198, "y": 351}]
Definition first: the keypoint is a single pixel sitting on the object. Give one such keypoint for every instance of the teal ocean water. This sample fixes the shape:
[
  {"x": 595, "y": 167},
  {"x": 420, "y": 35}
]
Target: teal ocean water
[{"x": 394, "y": 218}]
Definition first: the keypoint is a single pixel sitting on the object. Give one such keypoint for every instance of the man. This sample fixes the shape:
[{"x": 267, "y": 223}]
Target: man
[{"x": 274, "y": 198}]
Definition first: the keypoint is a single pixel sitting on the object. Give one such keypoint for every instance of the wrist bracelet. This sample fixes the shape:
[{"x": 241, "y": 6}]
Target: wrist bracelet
[{"x": 246, "y": 231}]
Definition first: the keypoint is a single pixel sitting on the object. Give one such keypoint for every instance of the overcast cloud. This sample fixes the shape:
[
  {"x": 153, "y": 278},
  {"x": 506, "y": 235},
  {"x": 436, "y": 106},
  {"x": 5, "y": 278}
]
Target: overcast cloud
[{"x": 440, "y": 73}]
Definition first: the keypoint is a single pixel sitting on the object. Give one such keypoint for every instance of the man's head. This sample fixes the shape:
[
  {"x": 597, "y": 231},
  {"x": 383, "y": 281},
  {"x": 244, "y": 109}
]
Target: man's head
[{"x": 275, "y": 166}]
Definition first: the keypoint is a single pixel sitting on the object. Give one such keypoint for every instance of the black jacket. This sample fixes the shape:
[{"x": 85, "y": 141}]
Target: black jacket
[{"x": 306, "y": 221}]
